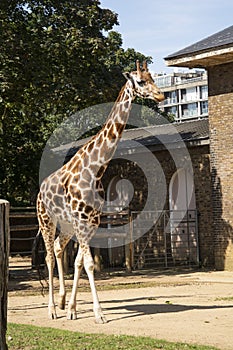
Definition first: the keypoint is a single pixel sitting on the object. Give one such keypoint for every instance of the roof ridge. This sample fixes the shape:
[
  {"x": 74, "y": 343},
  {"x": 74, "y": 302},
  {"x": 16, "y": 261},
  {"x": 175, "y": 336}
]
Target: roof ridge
[{"x": 165, "y": 124}]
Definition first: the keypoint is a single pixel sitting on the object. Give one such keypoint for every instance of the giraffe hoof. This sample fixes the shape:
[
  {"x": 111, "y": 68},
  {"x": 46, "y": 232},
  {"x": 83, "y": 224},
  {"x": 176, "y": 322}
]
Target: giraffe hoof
[
  {"x": 99, "y": 316},
  {"x": 71, "y": 315},
  {"x": 101, "y": 319},
  {"x": 52, "y": 313},
  {"x": 53, "y": 316}
]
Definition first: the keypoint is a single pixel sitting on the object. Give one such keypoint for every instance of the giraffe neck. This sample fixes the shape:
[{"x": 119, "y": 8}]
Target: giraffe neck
[
  {"x": 113, "y": 129},
  {"x": 91, "y": 161},
  {"x": 122, "y": 106},
  {"x": 100, "y": 149}
]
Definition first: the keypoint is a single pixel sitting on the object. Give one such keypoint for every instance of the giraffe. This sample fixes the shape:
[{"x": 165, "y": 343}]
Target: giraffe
[{"x": 71, "y": 198}]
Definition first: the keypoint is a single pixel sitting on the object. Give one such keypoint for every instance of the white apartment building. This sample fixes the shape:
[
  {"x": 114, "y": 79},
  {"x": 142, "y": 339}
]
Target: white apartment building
[{"x": 186, "y": 94}]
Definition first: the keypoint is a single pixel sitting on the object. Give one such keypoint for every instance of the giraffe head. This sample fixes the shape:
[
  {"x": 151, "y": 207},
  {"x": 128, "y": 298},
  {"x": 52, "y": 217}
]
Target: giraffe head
[{"x": 143, "y": 85}]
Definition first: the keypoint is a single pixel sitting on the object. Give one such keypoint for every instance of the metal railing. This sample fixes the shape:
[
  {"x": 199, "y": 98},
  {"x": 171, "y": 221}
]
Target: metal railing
[{"x": 171, "y": 241}]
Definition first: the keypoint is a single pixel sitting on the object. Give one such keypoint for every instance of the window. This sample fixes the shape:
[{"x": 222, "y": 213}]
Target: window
[
  {"x": 172, "y": 110},
  {"x": 204, "y": 107},
  {"x": 189, "y": 110},
  {"x": 170, "y": 97},
  {"x": 204, "y": 92},
  {"x": 191, "y": 94},
  {"x": 183, "y": 95},
  {"x": 173, "y": 97}
]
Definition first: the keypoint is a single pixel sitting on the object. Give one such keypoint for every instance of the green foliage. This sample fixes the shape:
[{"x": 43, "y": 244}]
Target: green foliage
[{"x": 56, "y": 58}]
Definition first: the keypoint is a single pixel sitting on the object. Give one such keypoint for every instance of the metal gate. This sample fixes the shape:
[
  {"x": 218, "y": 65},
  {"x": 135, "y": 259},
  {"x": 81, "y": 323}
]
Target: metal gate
[{"x": 165, "y": 239}]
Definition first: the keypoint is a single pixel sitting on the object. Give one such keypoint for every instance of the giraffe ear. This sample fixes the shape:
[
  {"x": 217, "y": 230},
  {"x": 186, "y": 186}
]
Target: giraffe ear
[{"x": 127, "y": 75}]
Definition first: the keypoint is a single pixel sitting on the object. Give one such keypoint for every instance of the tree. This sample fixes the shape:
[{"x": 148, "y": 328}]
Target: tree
[
  {"x": 52, "y": 53},
  {"x": 55, "y": 60}
]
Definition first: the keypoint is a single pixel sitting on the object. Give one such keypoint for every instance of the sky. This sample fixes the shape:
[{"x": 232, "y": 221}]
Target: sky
[{"x": 158, "y": 28}]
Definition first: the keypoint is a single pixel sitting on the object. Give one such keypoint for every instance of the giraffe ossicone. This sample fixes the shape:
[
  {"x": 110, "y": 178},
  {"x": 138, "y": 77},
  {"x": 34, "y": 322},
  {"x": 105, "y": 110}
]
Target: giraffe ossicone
[{"x": 72, "y": 196}]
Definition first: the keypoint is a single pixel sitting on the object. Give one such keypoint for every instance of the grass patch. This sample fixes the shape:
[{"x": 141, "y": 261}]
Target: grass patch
[
  {"x": 224, "y": 299},
  {"x": 24, "y": 337}
]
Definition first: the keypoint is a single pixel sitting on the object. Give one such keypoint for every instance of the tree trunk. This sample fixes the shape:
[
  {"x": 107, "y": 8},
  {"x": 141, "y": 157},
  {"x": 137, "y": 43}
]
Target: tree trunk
[{"x": 4, "y": 256}]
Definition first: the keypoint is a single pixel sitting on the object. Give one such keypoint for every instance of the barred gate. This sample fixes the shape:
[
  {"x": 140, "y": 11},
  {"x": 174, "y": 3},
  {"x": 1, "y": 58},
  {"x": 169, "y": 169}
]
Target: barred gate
[{"x": 165, "y": 239}]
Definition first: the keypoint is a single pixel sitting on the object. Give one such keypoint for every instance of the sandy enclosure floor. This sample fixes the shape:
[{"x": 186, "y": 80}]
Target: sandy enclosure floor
[{"x": 192, "y": 307}]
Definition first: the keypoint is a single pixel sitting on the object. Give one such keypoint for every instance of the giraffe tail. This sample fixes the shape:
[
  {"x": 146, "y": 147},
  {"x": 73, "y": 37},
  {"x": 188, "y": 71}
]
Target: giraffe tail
[
  {"x": 35, "y": 250},
  {"x": 38, "y": 259}
]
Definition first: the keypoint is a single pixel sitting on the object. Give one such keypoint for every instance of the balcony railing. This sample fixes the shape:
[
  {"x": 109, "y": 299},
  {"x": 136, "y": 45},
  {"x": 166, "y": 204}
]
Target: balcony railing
[
  {"x": 190, "y": 113},
  {"x": 170, "y": 101}
]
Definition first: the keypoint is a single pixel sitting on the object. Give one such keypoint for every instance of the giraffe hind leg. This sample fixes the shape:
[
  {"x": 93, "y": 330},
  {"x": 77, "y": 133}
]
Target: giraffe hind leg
[
  {"x": 48, "y": 229},
  {"x": 48, "y": 236},
  {"x": 59, "y": 246}
]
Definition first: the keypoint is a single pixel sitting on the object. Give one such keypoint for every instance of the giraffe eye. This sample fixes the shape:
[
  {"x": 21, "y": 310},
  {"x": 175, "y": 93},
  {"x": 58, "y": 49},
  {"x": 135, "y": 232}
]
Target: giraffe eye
[{"x": 141, "y": 82}]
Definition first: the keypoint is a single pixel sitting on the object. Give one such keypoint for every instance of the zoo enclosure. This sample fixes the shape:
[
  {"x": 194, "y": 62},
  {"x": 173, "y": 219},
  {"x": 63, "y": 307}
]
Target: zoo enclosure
[{"x": 157, "y": 240}]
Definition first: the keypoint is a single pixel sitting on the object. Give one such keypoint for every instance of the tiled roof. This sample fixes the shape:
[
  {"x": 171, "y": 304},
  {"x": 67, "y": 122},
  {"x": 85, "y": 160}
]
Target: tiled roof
[
  {"x": 220, "y": 39},
  {"x": 157, "y": 136},
  {"x": 187, "y": 131}
]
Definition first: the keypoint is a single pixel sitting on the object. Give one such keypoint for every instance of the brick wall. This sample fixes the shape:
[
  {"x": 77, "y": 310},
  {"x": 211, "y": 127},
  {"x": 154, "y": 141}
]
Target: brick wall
[
  {"x": 202, "y": 182},
  {"x": 221, "y": 155}
]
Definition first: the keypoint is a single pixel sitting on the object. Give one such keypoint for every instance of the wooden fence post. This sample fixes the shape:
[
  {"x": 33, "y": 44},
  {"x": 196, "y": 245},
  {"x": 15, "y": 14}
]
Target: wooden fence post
[{"x": 4, "y": 257}]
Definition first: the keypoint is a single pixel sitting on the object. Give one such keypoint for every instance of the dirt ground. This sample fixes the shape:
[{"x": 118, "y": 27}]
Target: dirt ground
[{"x": 185, "y": 306}]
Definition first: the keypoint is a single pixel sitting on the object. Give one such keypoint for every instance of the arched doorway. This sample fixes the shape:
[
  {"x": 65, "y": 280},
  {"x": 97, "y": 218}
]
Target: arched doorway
[
  {"x": 183, "y": 225},
  {"x": 119, "y": 194}
]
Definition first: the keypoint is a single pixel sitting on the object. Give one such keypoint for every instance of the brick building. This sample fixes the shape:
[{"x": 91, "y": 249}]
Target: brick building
[
  {"x": 169, "y": 167},
  {"x": 193, "y": 176},
  {"x": 182, "y": 152},
  {"x": 215, "y": 54}
]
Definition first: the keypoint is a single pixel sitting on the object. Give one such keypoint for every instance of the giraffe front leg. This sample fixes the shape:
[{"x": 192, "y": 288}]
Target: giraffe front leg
[
  {"x": 78, "y": 266},
  {"x": 89, "y": 267}
]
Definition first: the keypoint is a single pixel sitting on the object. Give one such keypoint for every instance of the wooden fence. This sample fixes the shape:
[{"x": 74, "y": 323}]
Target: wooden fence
[
  {"x": 24, "y": 228},
  {"x": 4, "y": 257}
]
